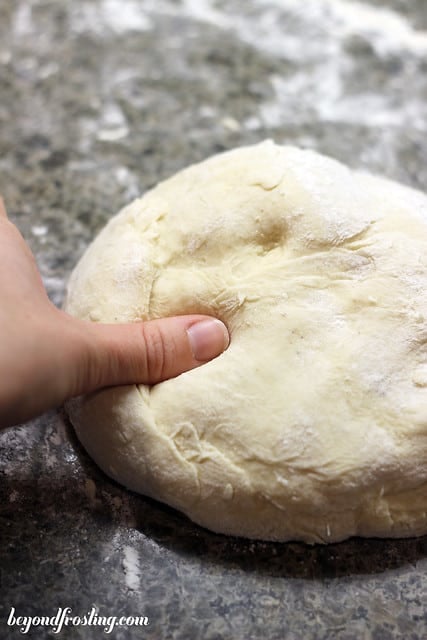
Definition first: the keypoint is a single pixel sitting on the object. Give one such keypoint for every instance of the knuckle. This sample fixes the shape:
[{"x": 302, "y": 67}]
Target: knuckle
[{"x": 158, "y": 352}]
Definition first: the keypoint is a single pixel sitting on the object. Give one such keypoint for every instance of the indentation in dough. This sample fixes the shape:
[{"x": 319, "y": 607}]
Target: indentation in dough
[{"x": 270, "y": 232}]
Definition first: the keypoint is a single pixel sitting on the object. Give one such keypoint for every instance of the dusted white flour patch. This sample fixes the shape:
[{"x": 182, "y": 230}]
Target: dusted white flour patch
[
  {"x": 313, "y": 424},
  {"x": 131, "y": 568}
]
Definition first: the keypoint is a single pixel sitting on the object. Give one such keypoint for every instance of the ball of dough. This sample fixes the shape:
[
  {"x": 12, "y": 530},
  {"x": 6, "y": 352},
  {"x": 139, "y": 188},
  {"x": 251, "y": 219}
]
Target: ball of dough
[{"x": 313, "y": 424}]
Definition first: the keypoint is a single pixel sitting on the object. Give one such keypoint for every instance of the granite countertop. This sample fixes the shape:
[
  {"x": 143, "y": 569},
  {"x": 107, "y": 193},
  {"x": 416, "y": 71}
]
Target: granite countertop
[{"x": 100, "y": 99}]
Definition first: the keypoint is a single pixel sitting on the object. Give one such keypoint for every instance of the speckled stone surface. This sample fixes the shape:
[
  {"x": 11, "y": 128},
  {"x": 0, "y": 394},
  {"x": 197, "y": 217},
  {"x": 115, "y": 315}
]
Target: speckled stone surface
[{"x": 100, "y": 99}]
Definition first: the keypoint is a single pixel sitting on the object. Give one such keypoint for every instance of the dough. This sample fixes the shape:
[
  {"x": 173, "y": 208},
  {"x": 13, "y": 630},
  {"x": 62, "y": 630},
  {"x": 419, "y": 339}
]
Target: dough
[{"x": 313, "y": 424}]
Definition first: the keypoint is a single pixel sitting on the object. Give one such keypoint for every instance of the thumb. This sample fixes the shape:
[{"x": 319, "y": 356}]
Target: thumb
[{"x": 146, "y": 352}]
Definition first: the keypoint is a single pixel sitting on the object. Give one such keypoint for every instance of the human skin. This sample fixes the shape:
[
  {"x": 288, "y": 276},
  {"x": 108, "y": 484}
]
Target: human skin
[{"x": 47, "y": 356}]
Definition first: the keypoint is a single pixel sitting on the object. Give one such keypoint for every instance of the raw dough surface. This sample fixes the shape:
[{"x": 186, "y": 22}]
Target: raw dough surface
[{"x": 313, "y": 424}]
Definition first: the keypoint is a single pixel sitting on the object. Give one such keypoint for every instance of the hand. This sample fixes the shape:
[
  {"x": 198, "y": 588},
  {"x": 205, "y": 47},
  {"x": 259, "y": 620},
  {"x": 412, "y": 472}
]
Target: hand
[{"x": 47, "y": 356}]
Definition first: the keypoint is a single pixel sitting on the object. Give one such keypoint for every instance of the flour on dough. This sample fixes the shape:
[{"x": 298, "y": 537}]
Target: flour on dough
[{"x": 313, "y": 424}]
